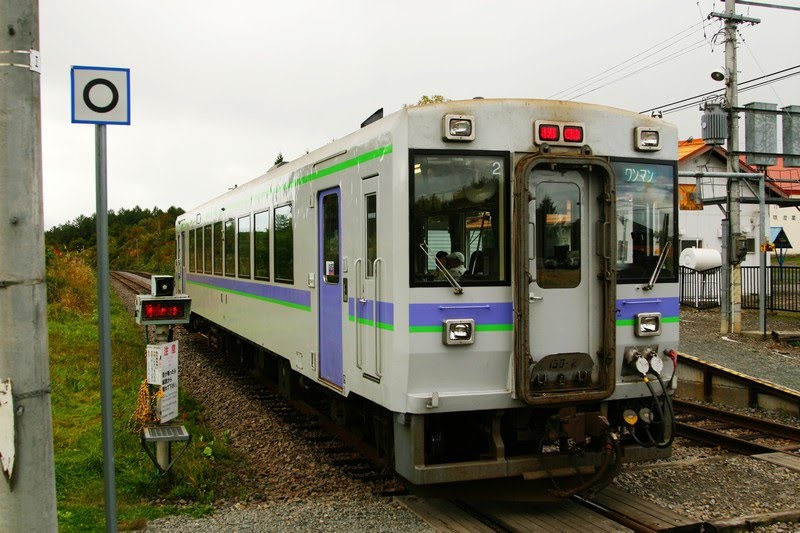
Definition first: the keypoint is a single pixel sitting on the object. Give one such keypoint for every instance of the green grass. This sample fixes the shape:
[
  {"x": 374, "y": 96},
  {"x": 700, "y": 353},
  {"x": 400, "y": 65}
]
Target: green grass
[
  {"x": 789, "y": 260},
  {"x": 200, "y": 476}
]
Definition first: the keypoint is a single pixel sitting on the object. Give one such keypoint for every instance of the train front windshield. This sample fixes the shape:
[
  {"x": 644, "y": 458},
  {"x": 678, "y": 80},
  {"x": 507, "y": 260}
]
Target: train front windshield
[
  {"x": 646, "y": 221},
  {"x": 458, "y": 215}
]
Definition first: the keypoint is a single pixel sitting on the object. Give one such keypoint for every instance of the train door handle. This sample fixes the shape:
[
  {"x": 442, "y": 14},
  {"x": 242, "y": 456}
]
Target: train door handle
[{"x": 532, "y": 297}]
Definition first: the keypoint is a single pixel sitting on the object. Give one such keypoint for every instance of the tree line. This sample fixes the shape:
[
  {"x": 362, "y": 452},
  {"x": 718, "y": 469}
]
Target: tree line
[{"x": 138, "y": 239}]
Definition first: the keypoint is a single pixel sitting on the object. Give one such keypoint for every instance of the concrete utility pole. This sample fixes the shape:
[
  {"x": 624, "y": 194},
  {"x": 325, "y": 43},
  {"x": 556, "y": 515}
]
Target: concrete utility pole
[
  {"x": 731, "y": 301},
  {"x": 28, "y": 498}
]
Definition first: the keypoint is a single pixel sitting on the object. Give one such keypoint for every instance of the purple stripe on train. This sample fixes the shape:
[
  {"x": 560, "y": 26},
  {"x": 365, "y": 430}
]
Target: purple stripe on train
[
  {"x": 366, "y": 311},
  {"x": 482, "y": 313},
  {"x": 628, "y": 309},
  {"x": 273, "y": 292}
]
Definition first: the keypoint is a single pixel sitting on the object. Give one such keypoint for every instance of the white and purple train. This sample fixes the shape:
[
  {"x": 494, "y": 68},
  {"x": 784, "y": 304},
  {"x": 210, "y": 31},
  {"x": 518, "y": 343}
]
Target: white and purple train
[{"x": 486, "y": 288}]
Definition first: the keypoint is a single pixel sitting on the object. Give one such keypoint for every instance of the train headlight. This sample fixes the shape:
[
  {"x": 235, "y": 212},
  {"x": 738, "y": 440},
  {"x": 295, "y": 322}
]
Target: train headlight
[
  {"x": 648, "y": 139},
  {"x": 458, "y": 331},
  {"x": 458, "y": 128},
  {"x": 648, "y": 324}
]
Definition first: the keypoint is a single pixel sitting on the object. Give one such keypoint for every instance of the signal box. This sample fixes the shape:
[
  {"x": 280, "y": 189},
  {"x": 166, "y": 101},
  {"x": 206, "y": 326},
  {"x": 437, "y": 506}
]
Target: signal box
[{"x": 163, "y": 310}]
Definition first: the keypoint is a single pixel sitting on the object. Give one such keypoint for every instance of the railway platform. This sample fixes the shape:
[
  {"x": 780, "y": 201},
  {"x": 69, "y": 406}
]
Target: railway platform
[{"x": 768, "y": 359}]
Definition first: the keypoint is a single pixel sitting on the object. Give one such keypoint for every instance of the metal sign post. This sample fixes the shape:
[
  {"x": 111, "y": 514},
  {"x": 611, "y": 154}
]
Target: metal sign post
[{"x": 100, "y": 96}]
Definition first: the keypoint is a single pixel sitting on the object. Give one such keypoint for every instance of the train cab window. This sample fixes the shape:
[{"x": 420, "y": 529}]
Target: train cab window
[
  {"x": 243, "y": 238},
  {"x": 229, "y": 244},
  {"x": 217, "y": 248},
  {"x": 330, "y": 238},
  {"x": 284, "y": 244},
  {"x": 558, "y": 235},
  {"x": 207, "y": 232},
  {"x": 261, "y": 245},
  {"x": 646, "y": 221},
  {"x": 192, "y": 243},
  {"x": 458, "y": 214}
]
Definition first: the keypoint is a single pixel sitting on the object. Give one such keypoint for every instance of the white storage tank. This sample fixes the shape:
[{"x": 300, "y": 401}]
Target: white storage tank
[{"x": 700, "y": 258}]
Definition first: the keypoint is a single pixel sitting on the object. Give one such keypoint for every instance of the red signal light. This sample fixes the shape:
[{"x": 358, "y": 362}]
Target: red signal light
[
  {"x": 163, "y": 310},
  {"x": 573, "y": 134},
  {"x": 549, "y": 132}
]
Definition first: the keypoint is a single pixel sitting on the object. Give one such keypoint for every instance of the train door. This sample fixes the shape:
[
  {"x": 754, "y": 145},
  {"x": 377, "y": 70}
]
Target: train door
[
  {"x": 331, "y": 287},
  {"x": 569, "y": 293},
  {"x": 367, "y": 275}
]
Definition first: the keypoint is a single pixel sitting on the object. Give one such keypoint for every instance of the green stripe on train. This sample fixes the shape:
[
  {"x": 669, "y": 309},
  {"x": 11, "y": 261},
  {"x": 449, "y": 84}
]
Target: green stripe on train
[
  {"x": 284, "y": 303},
  {"x": 664, "y": 320},
  {"x": 370, "y": 323}
]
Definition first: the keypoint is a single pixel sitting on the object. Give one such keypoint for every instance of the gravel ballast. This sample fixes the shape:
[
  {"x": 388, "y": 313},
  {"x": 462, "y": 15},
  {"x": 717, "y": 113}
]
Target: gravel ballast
[{"x": 294, "y": 487}]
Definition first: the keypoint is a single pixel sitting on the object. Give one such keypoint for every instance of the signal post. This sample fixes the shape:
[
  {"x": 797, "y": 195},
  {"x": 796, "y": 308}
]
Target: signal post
[{"x": 163, "y": 309}]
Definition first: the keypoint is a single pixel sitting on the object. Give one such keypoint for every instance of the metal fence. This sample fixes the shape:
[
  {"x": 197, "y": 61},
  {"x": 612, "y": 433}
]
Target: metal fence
[
  {"x": 783, "y": 288},
  {"x": 701, "y": 289}
]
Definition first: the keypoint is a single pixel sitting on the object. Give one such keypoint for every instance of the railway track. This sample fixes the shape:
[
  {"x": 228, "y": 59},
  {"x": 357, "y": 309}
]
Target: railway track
[
  {"x": 137, "y": 283},
  {"x": 735, "y": 432},
  {"x": 611, "y": 510}
]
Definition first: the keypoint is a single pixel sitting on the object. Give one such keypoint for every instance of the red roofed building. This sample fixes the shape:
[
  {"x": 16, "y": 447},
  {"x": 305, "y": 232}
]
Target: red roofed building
[
  {"x": 702, "y": 201},
  {"x": 787, "y": 218}
]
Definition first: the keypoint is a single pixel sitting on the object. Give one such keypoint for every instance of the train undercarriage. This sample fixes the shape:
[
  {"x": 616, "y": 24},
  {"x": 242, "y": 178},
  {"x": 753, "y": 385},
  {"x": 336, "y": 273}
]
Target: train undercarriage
[{"x": 527, "y": 453}]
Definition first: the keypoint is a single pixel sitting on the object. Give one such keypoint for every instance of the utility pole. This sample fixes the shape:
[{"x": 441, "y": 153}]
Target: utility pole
[
  {"x": 733, "y": 318},
  {"x": 27, "y": 496},
  {"x": 731, "y": 300}
]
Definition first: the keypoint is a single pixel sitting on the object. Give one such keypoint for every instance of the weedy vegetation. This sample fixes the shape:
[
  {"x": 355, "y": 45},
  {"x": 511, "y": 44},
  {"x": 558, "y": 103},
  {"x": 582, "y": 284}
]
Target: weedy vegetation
[{"x": 199, "y": 478}]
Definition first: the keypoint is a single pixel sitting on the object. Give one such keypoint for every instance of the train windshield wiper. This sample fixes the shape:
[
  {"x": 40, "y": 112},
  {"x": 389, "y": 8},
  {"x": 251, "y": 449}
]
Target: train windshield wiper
[
  {"x": 659, "y": 266},
  {"x": 447, "y": 275}
]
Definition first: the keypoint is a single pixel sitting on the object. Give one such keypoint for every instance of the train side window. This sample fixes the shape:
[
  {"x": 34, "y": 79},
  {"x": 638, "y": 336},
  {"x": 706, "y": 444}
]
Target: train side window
[
  {"x": 217, "y": 248},
  {"x": 330, "y": 238},
  {"x": 229, "y": 244},
  {"x": 284, "y": 244},
  {"x": 261, "y": 245},
  {"x": 243, "y": 238},
  {"x": 371, "y": 203},
  {"x": 207, "y": 232},
  {"x": 192, "y": 262}
]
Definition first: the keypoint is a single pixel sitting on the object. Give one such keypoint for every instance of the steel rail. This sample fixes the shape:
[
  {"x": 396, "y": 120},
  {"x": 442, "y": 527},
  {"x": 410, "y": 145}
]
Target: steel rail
[{"x": 755, "y": 424}]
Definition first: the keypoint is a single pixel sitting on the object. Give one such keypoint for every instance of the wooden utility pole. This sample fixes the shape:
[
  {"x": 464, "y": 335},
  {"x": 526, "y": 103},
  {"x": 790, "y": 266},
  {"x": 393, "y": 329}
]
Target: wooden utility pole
[{"x": 28, "y": 496}]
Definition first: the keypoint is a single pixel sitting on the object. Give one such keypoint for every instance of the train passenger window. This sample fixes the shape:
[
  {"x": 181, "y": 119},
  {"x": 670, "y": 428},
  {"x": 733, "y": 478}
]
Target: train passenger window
[
  {"x": 217, "y": 248},
  {"x": 261, "y": 245},
  {"x": 284, "y": 244},
  {"x": 459, "y": 213},
  {"x": 207, "y": 231},
  {"x": 229, "y": 244},
  {"x": 646, "y": 221},
  {"x": 371, "y": 201},
  {"x": 243, "y": 238},
  {"x": 558, "y": 235},
  {"x": 330, "y": 238},
  {"x": 192, "y": 242}
]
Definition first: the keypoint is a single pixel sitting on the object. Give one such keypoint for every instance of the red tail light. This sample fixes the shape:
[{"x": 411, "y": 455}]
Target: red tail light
[
  {"x": 549, "y": 132},
  {"x": 573, "y": 134}
]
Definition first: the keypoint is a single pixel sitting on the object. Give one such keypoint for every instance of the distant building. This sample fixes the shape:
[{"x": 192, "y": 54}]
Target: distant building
[
  {"x": 702, "y": 201},
  {"x": 787, "y": 217}
]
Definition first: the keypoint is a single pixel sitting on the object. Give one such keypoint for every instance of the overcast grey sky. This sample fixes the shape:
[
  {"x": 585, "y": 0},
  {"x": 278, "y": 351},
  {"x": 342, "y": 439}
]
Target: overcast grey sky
[{"x": 219, "y": 88}]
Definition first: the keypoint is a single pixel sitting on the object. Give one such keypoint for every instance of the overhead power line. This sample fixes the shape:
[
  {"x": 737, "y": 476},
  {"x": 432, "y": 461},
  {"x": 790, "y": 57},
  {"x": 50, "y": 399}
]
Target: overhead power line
[
  {"x": 630, "y": 62},
  {"x": 743, "y": 86}
]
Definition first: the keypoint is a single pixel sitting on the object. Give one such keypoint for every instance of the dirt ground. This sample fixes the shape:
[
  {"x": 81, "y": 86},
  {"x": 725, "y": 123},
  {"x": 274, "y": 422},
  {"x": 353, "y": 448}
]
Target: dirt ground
[{"x": 752, "y": 354}]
